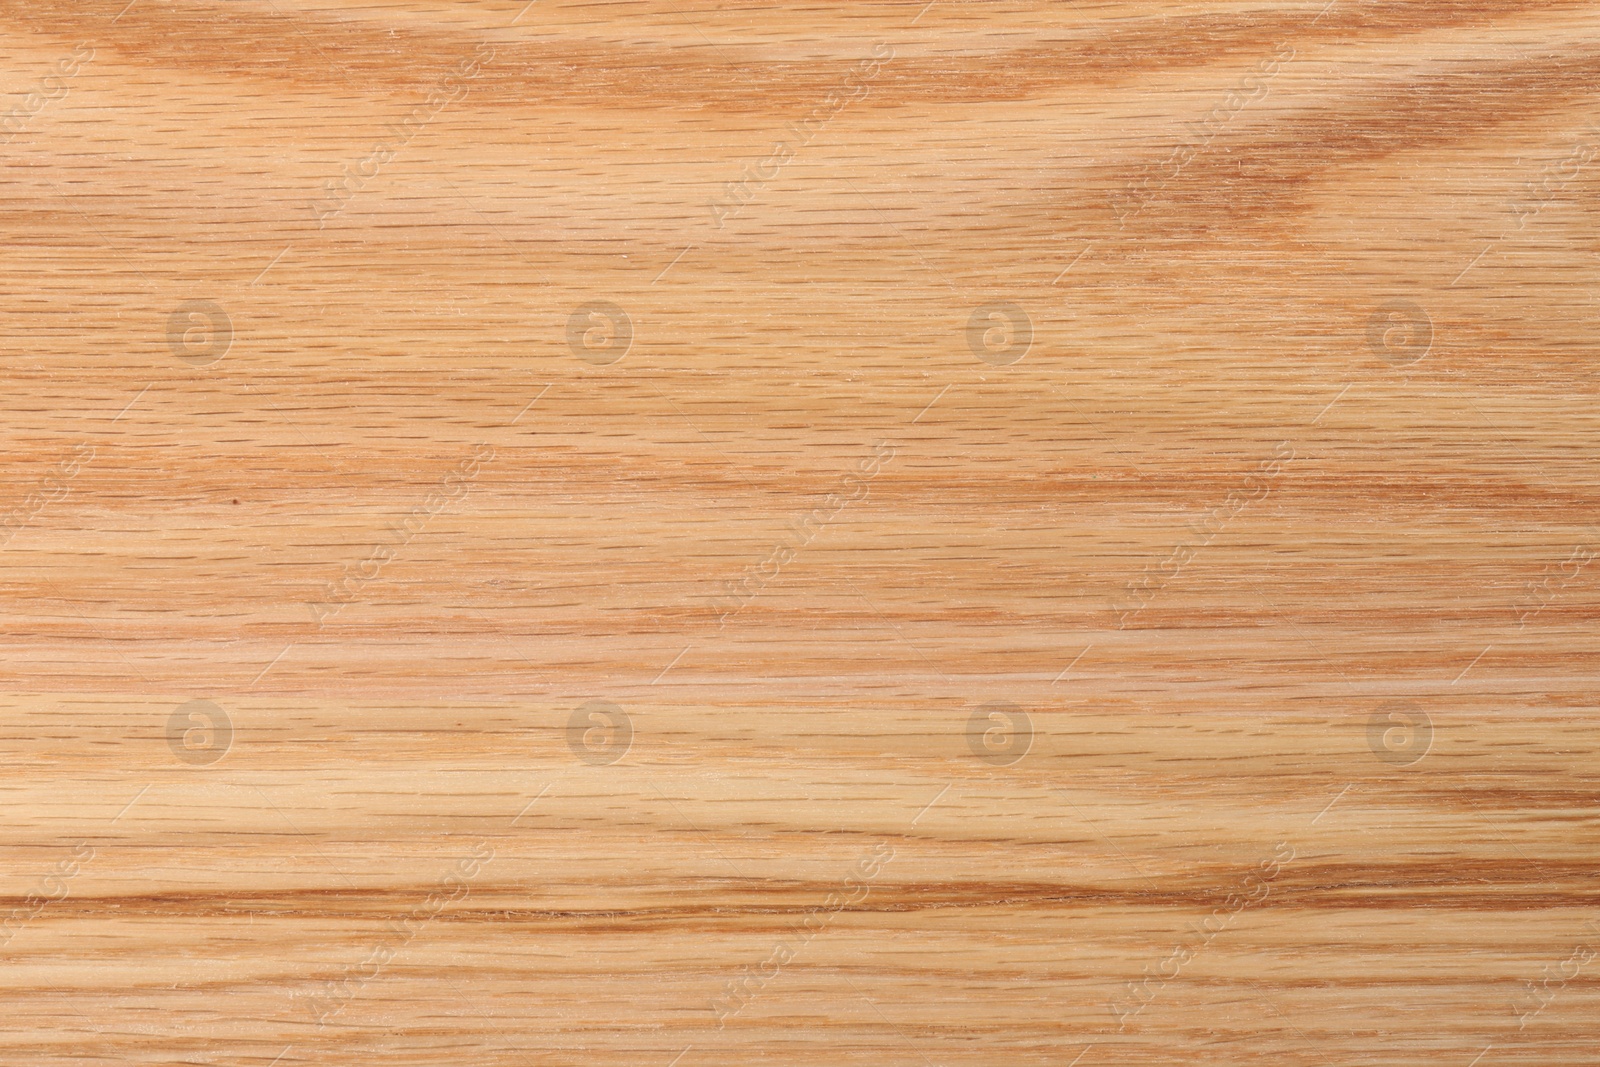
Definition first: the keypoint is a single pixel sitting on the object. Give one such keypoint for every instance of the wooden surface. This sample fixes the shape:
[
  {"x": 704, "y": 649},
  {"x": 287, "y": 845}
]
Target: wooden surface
[{"x": 670, "y": 533}]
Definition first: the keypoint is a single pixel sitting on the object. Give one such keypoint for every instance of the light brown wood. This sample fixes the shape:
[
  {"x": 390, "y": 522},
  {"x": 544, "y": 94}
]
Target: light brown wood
[{"x": 903, "y": 533}]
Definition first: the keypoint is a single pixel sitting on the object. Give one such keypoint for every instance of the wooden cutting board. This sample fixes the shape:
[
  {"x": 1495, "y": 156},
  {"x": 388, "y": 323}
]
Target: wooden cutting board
[{"x": 677, "y": 534}]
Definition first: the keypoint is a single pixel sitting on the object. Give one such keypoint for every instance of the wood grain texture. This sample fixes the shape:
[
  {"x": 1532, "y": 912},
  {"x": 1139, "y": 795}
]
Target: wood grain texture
[{"x": 659, "y": 533}]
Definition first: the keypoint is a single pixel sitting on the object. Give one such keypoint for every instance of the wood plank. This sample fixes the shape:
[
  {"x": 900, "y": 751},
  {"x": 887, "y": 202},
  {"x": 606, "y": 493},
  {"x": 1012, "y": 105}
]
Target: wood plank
[{"x": 673, "y": 534}]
